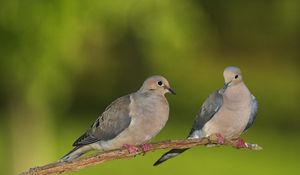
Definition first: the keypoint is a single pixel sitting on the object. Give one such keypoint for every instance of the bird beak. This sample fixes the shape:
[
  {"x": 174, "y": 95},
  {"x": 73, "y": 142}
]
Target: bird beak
[
  {"x": 172, "y": 91},
  {"x": 226, "y": 85}
]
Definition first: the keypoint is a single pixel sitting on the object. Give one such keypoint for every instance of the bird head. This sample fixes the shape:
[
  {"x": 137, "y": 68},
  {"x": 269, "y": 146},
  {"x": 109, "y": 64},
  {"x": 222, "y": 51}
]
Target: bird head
[
  {"x": 158, "y": 84},
  {"x": 232, "y": 76}
]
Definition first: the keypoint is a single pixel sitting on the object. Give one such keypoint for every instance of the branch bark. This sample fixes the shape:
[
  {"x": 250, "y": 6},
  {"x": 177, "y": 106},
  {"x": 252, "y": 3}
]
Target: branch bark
[{"x": 98, "y": 158}]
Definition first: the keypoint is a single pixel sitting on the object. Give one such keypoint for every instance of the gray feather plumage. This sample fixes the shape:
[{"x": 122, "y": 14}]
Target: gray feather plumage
[
  {"x": 229, "y": 111},
  {"x": 253, "y": 113},
  {"x": 208, "y": 109},
  {"x": 133, "y": 119},
  {"x": 210, "y": 106},
  {"x": 113, "y": 121},
  {"x": 168, "y": 155}
]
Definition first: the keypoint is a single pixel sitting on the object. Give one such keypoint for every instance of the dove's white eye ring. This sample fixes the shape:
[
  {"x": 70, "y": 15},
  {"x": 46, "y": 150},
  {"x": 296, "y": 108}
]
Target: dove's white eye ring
[
  {"x": 237, "y": 76},
  {"x": 160, "y": 83}
]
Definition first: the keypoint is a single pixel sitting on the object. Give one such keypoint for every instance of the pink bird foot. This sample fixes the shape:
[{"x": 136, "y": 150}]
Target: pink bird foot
[
  {"x": 130, "y": 148},
  {"x": 145, "y": 148},
  {"x": 240, "y": 143},
  {"x": 220, "y": 139}
]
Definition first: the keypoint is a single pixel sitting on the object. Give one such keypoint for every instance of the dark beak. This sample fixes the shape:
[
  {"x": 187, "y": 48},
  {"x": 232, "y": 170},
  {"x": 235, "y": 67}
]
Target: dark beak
[
  {"x": 172, "y": 91},
  {"x": 226, "y": 85}
]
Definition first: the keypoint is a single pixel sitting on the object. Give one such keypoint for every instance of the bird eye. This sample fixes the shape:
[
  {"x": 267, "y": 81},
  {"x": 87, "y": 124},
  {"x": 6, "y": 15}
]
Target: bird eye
[
  {"x": 237, "y": 76},
  {"x": 160, "y": 83}
]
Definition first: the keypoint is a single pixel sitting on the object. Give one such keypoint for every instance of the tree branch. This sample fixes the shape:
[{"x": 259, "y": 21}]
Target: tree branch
[{"x": 98, "y": 158}]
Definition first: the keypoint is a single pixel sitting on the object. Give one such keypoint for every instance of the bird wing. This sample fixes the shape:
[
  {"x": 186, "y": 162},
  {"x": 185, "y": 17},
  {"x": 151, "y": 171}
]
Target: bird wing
[
  {"x": 253, "y": 113},
  {"x": 208, "y": 109},
  {"x": 110, "y": 124}
]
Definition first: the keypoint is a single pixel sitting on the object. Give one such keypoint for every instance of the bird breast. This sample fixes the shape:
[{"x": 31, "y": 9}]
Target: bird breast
[
  {"x": 149, "y": 115},
  {"x": 233, "y": 115}
]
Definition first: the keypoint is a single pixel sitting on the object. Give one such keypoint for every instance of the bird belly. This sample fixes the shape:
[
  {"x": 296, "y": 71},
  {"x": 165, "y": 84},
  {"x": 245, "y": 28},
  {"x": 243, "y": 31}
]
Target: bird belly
[
  {"x": 227, "y": 122},
  {"x": 145, "y": 124}
]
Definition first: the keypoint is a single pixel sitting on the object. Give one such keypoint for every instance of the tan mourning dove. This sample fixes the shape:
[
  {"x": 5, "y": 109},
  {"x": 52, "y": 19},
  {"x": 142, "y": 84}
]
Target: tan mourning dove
[
  {"x": 130, "y": 120},
  {"x": 227, "y": 113}
]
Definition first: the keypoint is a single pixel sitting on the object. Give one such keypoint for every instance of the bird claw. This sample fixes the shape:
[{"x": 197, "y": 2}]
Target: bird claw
[
  {"x": 240, "y": 143},
  {"x": 145, "y": 148},
  {"x": 130, "y": 148},
  {"x": 220, "y": 139}
]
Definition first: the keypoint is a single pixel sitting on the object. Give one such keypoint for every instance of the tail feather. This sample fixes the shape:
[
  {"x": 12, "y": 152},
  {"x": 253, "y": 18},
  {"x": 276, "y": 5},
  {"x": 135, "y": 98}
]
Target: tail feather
[
  {"x": 168, "y": 155},
  {"x": 73, "y": 154}
]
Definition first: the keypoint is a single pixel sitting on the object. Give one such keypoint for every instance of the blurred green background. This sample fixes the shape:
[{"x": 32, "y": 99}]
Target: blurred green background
[{"x": 62, "y": 62}]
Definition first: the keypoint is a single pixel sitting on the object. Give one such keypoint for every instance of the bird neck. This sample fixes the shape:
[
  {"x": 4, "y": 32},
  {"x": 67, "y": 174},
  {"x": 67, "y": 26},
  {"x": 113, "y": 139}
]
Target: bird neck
[{"x": 237, "y": 95}]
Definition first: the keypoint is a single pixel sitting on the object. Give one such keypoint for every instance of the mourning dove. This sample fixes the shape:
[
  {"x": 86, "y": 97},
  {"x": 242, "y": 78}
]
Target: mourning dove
[
  {"x": 130, "y": 120},
  {"x": 227, "y": 113}
]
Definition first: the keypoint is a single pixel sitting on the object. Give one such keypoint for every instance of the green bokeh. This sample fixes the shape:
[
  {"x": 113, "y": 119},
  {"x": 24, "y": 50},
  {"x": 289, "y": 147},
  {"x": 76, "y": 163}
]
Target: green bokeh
[{"x": 62, "y": 62}]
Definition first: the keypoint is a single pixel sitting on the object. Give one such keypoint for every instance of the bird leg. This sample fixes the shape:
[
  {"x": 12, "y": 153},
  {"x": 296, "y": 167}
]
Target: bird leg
[
  {"x": 220, "y": 139},
  {"x": 130, "y": 148},
  {"x": 239, "y": 143},
  {"x": 145, "y": 148}
]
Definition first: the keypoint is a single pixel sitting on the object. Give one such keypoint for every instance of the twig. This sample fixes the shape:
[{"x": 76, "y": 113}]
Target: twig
[{"x": 98, "y": 158}]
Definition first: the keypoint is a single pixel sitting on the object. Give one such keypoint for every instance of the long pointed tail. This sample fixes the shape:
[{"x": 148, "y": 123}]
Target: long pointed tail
[
  {"x": 168, "y": 155},
  {"x": 74, "y": 153}
]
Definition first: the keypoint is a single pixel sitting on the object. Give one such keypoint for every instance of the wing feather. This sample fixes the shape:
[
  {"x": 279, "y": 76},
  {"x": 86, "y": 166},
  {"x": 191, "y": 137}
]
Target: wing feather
[
  {"x": 111, "y": 123},
  {"x": 208, "y": 109},
  {"x": 253, "y": 113}
]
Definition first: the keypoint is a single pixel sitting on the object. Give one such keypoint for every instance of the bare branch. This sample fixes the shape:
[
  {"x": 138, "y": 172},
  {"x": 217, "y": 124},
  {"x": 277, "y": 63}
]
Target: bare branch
[{"x": 98, "y": 158}]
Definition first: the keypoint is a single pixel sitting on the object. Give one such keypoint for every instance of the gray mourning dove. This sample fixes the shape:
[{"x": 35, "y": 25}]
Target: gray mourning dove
[
  {"x": 130, "y": 120},
  {"x": 227, "y": 113}
]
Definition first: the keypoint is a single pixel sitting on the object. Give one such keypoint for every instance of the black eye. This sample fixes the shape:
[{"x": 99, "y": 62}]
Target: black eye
[
  {"x": 237, "y": 76},
  {"x": 160, "y": 83}
]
